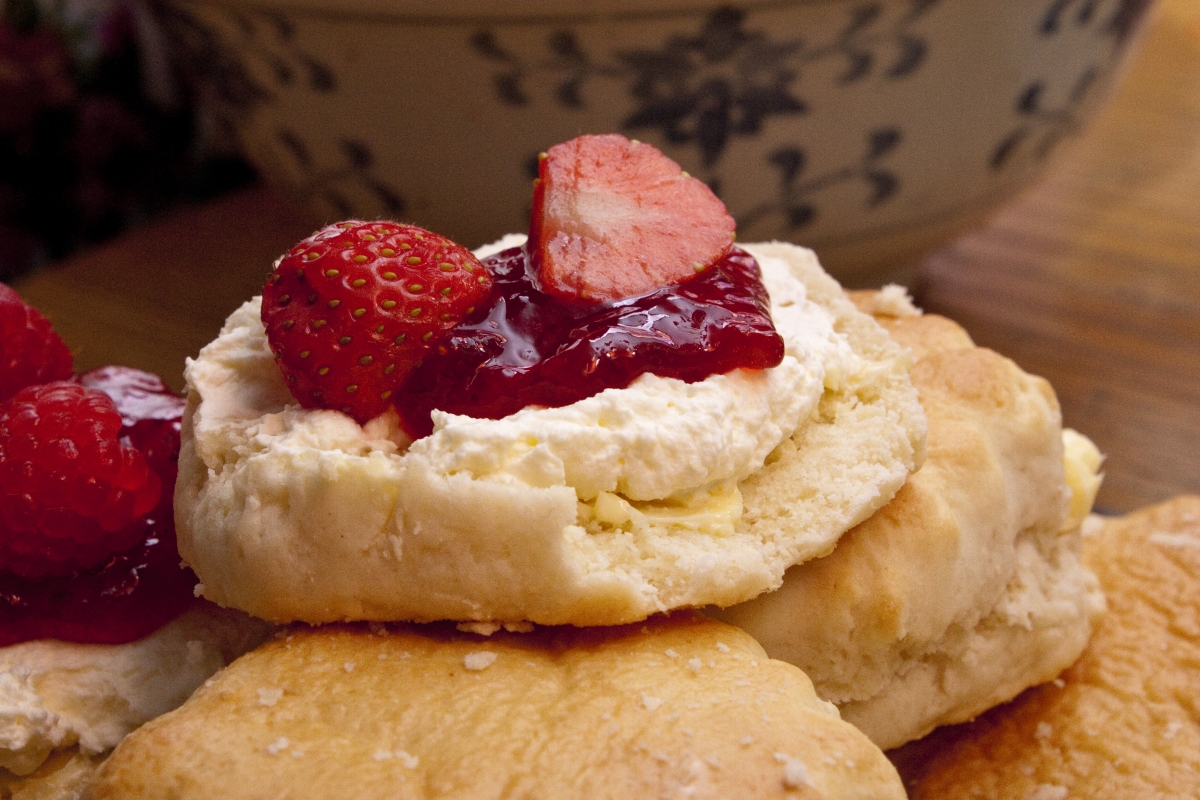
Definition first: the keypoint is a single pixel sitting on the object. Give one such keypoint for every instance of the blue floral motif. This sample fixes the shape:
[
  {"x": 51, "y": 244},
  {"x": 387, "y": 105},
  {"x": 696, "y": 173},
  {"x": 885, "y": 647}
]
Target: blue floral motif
[
  {"x": 269, "y": 38},
  {"x": 1043, "y": 125},
  {"x": 796, "y": 190},
  {"x": 721, "y": 81}
]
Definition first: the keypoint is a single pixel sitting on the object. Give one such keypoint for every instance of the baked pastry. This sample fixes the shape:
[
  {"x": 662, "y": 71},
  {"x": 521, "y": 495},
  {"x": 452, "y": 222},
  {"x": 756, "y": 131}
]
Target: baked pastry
[
  {"x": 967, "y": 587},
  {"x": 65, "y": 775},
  {"x": 630, "y": 502},
  {"x": 1122, "y": 721},
  {"x": 676, "y": 707},
  {"x": 83, "y": 698}
]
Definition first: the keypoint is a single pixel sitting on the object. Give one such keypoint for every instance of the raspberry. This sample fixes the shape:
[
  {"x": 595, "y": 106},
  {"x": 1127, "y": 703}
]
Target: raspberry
[
  {"x": 127, "y": 596},
  {"x": 70, "y": 490},
  {"x": 351, "y": 310},
  {"x": 30, "y": 351},
  {"x": 151, "y": 416}
]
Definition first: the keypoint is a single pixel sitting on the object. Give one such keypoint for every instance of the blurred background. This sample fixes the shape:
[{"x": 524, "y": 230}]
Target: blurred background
[
  {"x": 871, "y": 130},
  {"x": 98, "y": 130}
]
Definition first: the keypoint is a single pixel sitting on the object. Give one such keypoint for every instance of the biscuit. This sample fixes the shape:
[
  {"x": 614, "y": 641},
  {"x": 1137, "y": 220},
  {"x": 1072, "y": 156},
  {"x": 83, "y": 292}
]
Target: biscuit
[
  {"x": 967, "y": 587},
  {"x": 292, "y": 515},
  {"x": 677, "y": 707},
  {"x": 1124, "y": 720}
]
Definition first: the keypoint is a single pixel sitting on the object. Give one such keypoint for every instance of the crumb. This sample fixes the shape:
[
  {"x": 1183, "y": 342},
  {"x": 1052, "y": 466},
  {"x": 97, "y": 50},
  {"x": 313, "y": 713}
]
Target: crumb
[
  {"x": 795, "y": 774},
  {"x": 269, "y": 697},
  {"x": 480, "y": 659},
  {"x": 650, "y": 702}
]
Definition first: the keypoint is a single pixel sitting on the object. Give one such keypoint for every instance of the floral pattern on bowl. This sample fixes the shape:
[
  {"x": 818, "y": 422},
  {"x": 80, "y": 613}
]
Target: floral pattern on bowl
[{"x": 838, "y": 123}]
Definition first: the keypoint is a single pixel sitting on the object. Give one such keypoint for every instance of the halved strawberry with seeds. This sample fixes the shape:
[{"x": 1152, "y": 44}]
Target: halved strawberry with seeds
[
  {"x": 614, "y": 218},
  {"x": 352, "y": 309},
  {"x": 30, "y": 351}
]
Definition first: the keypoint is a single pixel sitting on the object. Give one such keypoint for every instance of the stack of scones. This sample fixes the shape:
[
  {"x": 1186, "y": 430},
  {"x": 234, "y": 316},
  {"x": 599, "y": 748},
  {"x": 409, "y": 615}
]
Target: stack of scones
[{"x": 621, "y": 598}]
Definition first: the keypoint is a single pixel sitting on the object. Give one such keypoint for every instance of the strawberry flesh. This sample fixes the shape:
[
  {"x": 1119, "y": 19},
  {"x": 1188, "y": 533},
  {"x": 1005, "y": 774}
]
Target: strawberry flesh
[{"x": 614, "y": 218}]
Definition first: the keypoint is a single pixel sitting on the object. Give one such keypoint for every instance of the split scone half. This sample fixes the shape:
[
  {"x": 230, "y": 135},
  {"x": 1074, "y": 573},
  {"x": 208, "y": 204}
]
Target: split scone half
[
  {"x": 631, "y": 502},
  {"x": 966, "y": 588},
  {"x": 1122, "y": 721},
  {"x": 676, "y": 707}
]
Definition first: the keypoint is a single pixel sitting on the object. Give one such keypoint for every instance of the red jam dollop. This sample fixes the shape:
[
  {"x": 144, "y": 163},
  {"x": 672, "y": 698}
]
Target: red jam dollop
[
  {"x": 525, "y": 348},
  {"x": 135, "y": 592}
]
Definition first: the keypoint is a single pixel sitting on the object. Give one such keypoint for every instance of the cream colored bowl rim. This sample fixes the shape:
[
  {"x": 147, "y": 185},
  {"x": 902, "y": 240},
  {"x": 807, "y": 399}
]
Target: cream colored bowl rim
[{"x": 493, "y": 12}]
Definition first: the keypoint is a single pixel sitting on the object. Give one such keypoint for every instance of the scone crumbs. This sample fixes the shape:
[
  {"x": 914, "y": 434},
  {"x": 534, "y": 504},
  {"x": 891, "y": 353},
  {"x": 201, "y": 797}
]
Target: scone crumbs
[
  {"x": 479, "y": 660},
  {"x": 795, "y": 774}
]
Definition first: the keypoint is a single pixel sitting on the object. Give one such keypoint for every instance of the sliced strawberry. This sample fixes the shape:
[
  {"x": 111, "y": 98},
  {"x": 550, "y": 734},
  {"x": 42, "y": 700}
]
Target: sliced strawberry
[
  {"x": 614, "y": 218},
  {"x": 352, "y": 309}
]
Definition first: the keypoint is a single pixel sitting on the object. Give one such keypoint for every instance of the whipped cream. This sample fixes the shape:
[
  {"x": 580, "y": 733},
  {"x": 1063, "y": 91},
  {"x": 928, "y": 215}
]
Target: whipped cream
[{"x": 56, "y": 694}]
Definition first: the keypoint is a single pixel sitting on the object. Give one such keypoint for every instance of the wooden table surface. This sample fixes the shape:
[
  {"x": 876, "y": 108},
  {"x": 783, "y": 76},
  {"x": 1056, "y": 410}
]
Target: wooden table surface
[{"x": 1091, "y": 278}]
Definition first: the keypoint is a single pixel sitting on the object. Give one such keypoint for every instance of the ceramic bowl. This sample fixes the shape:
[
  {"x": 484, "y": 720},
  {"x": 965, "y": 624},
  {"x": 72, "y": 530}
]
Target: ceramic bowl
[{"x": 869, "y": 130}]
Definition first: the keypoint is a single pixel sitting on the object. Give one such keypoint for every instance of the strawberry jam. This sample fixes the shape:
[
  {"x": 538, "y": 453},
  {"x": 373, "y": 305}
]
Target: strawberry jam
[
  {"x": 525, "y": 348},
  {"x": 132, "y": 593},
  {"x": 129, "y": 596}
]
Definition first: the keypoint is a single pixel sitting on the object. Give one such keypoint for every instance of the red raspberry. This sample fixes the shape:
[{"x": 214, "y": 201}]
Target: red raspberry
[
  {"x": 30, "y": 351},
  {"x": 69, "y": 489},
  {"x": 351, "y": 310},
  {"x": 151, "y": 416}
]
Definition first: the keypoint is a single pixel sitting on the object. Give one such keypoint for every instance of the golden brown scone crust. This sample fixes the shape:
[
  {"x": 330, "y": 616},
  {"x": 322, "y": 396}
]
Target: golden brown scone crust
[
  {"x": 65, "y": 775},
  {"x": 1124, "y": 721},
  {"x": 676, "y": 707},
  {"x": 967, "y": 587}
]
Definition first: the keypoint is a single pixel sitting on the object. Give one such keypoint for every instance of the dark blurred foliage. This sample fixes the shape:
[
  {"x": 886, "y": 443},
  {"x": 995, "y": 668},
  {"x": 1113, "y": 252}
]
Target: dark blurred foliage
[{"x": 96, "y": 132}]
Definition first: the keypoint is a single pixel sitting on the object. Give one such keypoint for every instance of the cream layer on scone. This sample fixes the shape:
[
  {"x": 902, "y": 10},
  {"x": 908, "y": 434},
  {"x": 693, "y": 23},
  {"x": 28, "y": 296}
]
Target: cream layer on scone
[
  {"x": 56, "y": 695},
  {"x": 967, "y": 587},
  {"x": 625, "y": 504}
]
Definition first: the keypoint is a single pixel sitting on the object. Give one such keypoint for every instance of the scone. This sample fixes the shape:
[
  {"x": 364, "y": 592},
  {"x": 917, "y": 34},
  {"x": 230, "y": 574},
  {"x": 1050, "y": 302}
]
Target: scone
[
  {"x": 675, "y": 707},
  {"x": 63, "y": 705},
  {"x": 967, "y": 587},
  {"x": 1122, "y": 721},
  {"x": 630, "y": 502}
]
